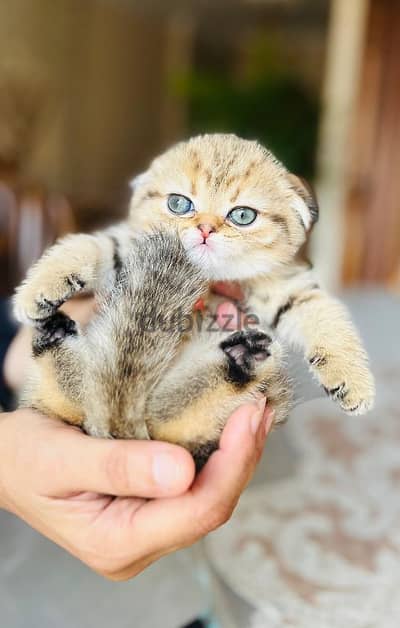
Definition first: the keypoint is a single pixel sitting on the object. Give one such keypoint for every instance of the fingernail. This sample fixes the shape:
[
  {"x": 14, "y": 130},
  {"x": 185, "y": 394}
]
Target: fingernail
[
  {"x": 269, "y": 419},
  {"x": 257, "y": 415},
  {"x": 166, "y": 471}
]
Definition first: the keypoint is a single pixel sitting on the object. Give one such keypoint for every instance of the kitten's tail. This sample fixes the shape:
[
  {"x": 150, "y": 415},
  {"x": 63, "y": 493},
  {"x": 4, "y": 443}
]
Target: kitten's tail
[{"x": 142, "y": 321}]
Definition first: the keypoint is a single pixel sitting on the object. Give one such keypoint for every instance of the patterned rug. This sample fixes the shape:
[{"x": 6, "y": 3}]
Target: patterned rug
[{"x": 322, "y": 548}]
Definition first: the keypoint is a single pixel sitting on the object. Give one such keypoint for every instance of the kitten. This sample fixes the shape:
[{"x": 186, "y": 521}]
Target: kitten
[
  {"x": 136, "y": 372},
  {"x": 240, "y": 216}
]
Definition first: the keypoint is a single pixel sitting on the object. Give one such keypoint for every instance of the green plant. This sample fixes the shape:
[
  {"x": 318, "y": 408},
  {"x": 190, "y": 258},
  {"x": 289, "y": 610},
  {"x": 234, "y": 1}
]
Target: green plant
[{"x": 268, "y": 103}]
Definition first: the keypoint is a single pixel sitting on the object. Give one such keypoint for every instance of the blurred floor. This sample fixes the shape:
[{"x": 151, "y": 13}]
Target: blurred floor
[{"x": 43, "y": 587}]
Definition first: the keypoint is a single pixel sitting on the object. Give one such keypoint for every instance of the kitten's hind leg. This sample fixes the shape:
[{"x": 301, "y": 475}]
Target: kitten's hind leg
[
  {"x": 55, "y": 385},
  {"x": 243, "y": 349},
  {"x": 213, "y": 376},
  {"x": 255, "y": 362},
  {"x": 51, "y": 332},
  {"x": 69, "y": 382}
]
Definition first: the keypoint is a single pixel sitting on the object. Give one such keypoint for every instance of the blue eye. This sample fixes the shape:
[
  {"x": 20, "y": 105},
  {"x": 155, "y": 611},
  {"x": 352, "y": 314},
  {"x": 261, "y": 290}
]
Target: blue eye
[
  {"x": 242, "y": 216},
  {"x": 179, "y": 204}
]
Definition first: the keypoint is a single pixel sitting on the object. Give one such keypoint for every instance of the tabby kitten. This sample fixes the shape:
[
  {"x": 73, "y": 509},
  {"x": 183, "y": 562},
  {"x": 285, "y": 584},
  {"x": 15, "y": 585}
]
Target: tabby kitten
[
  {"x": 136, "y": 372},
  {"x": 240, "y": 216}
]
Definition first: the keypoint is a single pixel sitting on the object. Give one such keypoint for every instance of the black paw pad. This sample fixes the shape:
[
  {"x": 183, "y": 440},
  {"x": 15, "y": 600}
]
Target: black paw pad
[
  {"x": 51, "y": 331},
  {"x": 242, "y": 349}
]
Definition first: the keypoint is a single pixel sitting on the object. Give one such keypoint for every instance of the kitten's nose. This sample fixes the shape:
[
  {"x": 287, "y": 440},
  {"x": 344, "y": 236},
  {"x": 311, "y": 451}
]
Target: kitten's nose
[{"x": 206, "y": 229}]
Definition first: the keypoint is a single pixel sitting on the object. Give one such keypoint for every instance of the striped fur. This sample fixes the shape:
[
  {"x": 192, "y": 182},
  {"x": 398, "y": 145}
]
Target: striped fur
[
  {"x": 217, "y": 173},
  {"x": 131, "y": 375}
]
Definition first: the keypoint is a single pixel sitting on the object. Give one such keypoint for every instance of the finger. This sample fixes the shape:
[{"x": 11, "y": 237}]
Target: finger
[
  {"x": 75, "y": 462},
  {"x": 269, "y": 416},
  {"x": 164, "y": 525},
  {"x": 228, "y": 316},
  {"x": 18, "y": 360},
  {"x": 80, "y": 308},
  {"x": 264, "y": 430},
  {"x": 231, "y": 289}
]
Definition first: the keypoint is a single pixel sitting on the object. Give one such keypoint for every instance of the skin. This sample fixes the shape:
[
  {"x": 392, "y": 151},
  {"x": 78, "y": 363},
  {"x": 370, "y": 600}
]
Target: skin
[{"x": 131, "y": 502}]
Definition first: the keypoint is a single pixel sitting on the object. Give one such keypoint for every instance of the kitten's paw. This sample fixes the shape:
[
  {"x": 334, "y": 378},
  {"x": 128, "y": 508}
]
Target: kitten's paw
[
  {"x": 243, "y": 350},
  {"x": 351, "y": 385},
  {"x": 50, "y": 332},
  {"x": 38, "y": 298}
]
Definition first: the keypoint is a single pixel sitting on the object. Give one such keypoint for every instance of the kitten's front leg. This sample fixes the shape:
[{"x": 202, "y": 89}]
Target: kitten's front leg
[
  {"x": 76, "y": 263},
  {"x": 305, "y": 316}
]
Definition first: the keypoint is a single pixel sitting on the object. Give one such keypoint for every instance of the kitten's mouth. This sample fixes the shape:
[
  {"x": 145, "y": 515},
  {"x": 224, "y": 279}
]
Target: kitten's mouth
[
  {"x": 204, "y": 252},
  {"x": 204, "y": 248}
]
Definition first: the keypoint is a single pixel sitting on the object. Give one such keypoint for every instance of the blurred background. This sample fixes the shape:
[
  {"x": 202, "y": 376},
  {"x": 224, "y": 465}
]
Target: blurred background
[{"x": 91, "y": 90}]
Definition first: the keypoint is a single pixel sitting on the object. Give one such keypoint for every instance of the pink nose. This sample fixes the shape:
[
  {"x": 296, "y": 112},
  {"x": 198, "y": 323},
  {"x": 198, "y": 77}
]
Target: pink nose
[{"x": 205, "y": 230}]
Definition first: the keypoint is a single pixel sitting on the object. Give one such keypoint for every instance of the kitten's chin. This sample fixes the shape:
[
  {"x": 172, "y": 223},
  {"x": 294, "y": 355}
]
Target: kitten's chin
[{"x": 219, "y": 266}]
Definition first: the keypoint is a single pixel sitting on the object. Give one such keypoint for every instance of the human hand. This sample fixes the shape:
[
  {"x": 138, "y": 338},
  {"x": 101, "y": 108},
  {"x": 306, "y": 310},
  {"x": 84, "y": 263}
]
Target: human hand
[
  {"x": 78, "y": 491},
  {"x": 120, "y": 505}
]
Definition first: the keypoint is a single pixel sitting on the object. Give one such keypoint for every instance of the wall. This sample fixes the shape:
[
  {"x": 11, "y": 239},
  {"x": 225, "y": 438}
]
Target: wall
[{"x": 98, "y": 69}]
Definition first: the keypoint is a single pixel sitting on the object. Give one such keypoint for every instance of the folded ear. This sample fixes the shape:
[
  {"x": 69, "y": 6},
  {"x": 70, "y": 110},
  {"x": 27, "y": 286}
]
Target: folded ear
[{"x": 306, "y": 204}]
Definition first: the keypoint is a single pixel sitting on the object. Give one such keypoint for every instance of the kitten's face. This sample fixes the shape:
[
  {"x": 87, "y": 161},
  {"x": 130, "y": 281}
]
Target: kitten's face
[{"x": 239, "y": 213}]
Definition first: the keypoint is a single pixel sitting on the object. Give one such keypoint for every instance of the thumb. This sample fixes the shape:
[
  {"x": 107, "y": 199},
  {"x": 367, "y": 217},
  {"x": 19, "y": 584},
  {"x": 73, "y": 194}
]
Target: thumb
[{"x": 76, "y": 462}]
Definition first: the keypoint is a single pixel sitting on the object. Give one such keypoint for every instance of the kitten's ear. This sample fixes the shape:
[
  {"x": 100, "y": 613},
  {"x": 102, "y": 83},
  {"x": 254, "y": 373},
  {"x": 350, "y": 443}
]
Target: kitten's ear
[
  {"x": 137, "y": 182},
  {"x": 306, "y": 205}
]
